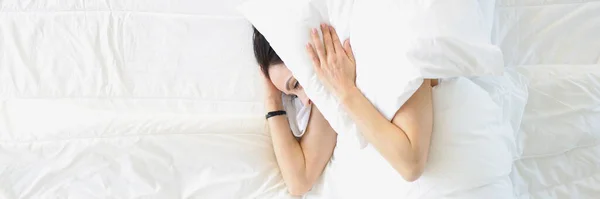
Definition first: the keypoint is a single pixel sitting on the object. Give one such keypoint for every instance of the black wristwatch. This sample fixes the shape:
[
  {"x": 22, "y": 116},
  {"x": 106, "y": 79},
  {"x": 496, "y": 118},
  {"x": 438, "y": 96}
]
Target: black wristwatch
[{"x": 274, "y": 113}]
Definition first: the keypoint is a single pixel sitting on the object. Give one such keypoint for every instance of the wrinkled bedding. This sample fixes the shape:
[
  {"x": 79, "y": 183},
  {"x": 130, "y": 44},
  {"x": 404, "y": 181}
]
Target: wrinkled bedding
[
  {"x": 160, "y": 99},
  {"x": 555, "y": 45},
  {"x": 131, "y": 99}
]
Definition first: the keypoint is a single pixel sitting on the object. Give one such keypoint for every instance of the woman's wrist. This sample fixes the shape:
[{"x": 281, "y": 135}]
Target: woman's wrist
[
  {"x": 343, "y": 89},
  {"x": 273, "y": 104},
  {"x": 348, "y": 95}
]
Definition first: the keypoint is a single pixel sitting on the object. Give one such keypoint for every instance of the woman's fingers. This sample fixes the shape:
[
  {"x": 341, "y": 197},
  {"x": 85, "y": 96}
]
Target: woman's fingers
[
  {"x": 317, "y": 44},
  {"x": 336, "y": 40},
  {"x": 325, "y": 50},
  {"x": 327, "y": 39},
  {"x": 348, "y": 50},
  {"x": 313, "y": 55}
]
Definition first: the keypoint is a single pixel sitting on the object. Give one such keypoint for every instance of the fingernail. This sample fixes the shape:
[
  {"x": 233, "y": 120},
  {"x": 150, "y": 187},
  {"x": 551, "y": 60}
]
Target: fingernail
[{"x": 314, "y": 31}]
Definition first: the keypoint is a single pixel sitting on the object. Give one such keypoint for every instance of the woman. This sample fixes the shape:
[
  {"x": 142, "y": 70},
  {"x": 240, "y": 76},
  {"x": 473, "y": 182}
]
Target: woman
[{"x": 403, "y": 142}]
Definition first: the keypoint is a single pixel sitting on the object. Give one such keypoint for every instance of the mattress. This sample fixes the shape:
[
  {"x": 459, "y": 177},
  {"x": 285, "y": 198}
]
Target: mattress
[{"x": 161, "y": 99}]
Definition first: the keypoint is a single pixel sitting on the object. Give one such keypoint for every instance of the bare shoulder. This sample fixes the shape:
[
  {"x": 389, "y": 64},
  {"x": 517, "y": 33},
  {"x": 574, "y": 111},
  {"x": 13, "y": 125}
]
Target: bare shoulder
[
  {"x": 414, "y": 107},
  {"x": 434, "y": 82}
]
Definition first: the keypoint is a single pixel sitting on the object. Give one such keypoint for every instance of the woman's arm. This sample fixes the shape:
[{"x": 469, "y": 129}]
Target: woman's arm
[
  {"x": 403, "y": 142},
  {"x": 301, "y": 163}
]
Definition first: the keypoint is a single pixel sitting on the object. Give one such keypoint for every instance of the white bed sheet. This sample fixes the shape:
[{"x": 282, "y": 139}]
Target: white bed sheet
[
  {"x": 555, "y": 45},
  {"x": 155, "y": 99},
  {"x": 131, "y": 99}
]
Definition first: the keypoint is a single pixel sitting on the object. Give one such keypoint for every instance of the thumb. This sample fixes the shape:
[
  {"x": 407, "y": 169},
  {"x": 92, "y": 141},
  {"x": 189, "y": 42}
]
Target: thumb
[{"x": 348, "y": 49}]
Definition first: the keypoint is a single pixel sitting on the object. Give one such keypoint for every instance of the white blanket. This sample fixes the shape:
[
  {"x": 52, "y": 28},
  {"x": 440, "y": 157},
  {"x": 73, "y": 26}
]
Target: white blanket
[
  {"x": 555, "y": 45},
  {"x": 131, "y": 99}
]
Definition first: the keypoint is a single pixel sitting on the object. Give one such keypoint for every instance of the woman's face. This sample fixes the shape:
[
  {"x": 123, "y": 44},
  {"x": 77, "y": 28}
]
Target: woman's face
[{"x": 282, "y": 78}]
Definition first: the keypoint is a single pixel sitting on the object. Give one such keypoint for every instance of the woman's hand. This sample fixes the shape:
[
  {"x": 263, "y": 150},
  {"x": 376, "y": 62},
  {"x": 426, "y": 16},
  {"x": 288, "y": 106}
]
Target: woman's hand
[
  {"x": 272, "y": 94},
  {"x": 334, "y": 64}
]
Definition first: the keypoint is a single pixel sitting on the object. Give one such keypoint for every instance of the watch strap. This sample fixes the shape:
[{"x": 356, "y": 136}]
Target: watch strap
[{"x": 274, "y": 113}]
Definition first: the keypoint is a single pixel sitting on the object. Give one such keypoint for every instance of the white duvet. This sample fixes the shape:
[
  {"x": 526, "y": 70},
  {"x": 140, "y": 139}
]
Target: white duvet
[
  {"x": 159, "y": 99},
  {"x": 554, "y": 44},
  {"x": 131, "y": 99}
]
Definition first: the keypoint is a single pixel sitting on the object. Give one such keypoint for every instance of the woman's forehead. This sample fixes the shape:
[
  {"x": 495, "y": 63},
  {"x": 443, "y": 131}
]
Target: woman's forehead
[{"x": 279, "y": 75}]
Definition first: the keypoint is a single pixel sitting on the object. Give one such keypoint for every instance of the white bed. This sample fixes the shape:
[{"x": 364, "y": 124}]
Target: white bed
[
  {"x": 555, "y": 45},
  {"x": 160, "y": 99},
  {"x": 130, "y": 99}
]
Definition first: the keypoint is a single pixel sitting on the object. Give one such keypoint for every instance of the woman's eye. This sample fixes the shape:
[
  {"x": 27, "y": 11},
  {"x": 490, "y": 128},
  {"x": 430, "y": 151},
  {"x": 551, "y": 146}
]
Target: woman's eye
[{"x": 296, "y": 85}]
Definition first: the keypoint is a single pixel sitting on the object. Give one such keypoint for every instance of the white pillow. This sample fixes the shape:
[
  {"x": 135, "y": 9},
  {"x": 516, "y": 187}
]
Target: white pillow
[
  {"x": 396, "y": 44},
  {"x": 471, "y": 144},
  {"x": 510, "y": 92}
]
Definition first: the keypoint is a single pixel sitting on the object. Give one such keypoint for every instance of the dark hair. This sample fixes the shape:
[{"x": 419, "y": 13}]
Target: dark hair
[{"x": 264, "y": 54}]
